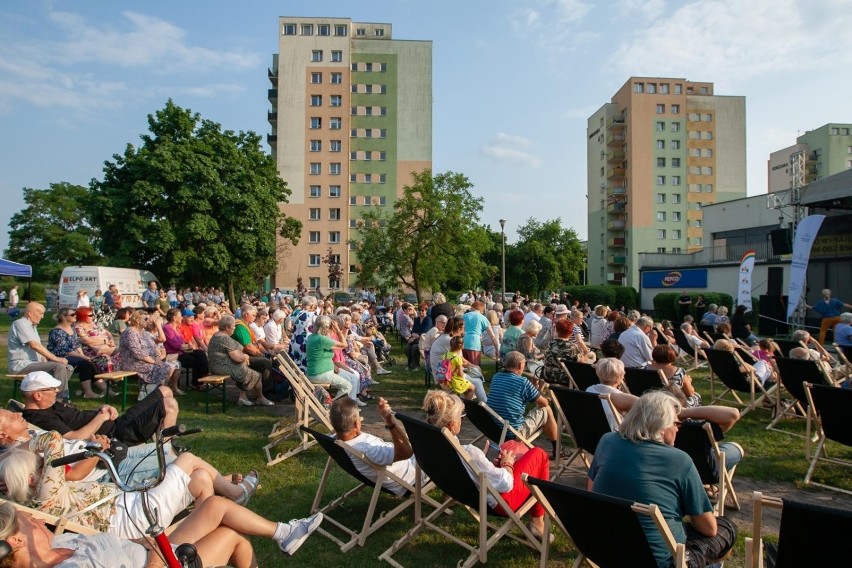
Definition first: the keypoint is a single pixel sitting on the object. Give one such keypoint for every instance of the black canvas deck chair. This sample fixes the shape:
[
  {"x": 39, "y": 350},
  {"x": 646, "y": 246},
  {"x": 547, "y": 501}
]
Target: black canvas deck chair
[
  {"x": 582, "y": 418},
  {"x": 440, "y": 455},
  {"x": 844, "y": 356},
  {"x": 793, "y": 374},
  {"x": 585, "y": 517},
  {"x": 705, "y": 328},
  {"x": 581, "y": 375},
  {"x": 695, "y": 355},
  {"x": 784, "y": 346},
  {"x": 829, "y": 411},
  {"x": 492, "y": 425},
  {"x": 713, "y": 336},
  {"x": 639, "y": 381},
  {"x": 342, "y": 454},
  {"x": 809, "y": 535},
  {"x": 699, "y": 439},
  {"x": 726, "y": 367},
  {"x": 309, "y": 411}
]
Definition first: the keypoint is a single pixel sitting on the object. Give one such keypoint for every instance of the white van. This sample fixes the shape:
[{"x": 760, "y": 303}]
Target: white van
[{"x": 130, "y": 281}]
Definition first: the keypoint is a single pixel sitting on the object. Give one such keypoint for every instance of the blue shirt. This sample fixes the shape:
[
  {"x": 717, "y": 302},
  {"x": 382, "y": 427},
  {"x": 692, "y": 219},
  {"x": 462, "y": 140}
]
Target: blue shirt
[
  {"x": 150, "y": 297},
  {"x": 709, "y": 319},
  {"x": 830, "y": 308},
  {"x": 509, "y": 396},
  {"x": 843, "y": 334},
  {"x": 474, "y": 324}
]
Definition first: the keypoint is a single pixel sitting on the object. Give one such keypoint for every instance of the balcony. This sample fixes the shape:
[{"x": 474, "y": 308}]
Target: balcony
[
  {"x": 616, "y": 225},
  {"x": 617, "y": 207},
  {"x": 617, "y": 260},
  {"x": 272, "y": 139},
  {"x": 273, "y": 76},
  {"x": 272, "y": 117},
  {"x": 615, "y": 277},
  {"x": 272, "y": 95},
  {"x": 613, "y": 139},
  {"x": 618, "y": 242},
  {"x": 616, "y": 156},
  {"x": 722, "y": 254},
  {"x": 617, "y": 190},
  {"x": 615, "y": 124},
  {"x": 615, "y": 173}
]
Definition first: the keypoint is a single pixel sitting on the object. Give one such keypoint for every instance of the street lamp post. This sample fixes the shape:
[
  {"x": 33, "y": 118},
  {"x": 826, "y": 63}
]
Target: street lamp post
[
  {"x": 585, "y": 267},
  {"x": 503, "y": 252}
]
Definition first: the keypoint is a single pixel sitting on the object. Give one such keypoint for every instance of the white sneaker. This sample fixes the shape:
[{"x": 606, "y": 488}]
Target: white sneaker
[
  {"x": 300, "y": 530},
  {"x": 383, "y": 372},
  {"x": 360, "y": 402}
]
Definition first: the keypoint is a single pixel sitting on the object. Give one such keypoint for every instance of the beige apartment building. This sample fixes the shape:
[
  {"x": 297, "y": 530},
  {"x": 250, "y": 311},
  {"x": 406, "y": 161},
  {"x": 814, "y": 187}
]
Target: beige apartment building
[
  {"x": 351, "y": 117},
  {"x": 658, "y": 151}
]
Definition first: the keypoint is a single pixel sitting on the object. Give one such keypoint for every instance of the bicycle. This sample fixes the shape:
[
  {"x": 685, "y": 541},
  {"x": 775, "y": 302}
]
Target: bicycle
[{"x": 185, "y": 556}]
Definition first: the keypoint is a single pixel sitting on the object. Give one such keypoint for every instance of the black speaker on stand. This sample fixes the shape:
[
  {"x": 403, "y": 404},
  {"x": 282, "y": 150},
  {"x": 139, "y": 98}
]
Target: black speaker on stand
[
  {"x": 774, "y": 280},
  {"x": 782, "y": 241},
  {"x": 773, "y": 315}
]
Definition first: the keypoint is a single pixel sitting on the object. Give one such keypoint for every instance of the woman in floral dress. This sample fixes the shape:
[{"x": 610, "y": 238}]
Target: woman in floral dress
[
  {"x": 62, "y": 341},
  {"x": 98, "y": 344},
  {"x": 302, "y": 327}
]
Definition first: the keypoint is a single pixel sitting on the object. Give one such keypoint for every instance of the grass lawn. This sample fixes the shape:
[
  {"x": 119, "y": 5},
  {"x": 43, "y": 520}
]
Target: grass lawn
[{"x": 233, "y": 441}]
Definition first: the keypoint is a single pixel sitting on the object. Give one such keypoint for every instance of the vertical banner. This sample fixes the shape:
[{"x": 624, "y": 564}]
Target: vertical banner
[
  {"x": 804, "y": 238},
  {"x": 746, "y": 269}
]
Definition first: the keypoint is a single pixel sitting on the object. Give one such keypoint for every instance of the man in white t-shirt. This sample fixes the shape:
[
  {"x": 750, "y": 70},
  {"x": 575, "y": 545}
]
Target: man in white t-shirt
[
  {"x": 638, "y": 341},
  {"x": 397, "y": 455}
]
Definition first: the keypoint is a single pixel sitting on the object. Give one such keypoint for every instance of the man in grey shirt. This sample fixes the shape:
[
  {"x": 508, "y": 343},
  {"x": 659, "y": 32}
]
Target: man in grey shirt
[{"x": 27, "y": 354}]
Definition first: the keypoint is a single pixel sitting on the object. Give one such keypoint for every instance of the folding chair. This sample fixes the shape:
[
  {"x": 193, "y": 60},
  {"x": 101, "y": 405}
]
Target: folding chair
[
  {"x": 699, "y": 439},
  {"x": 784, "y": 346},
  {"x": 713, "y": 337},
  {"x": 342, "y": 454},
  {"x": 726, "y": 366},
  {"x": 809, "y": 535},
  {"x": 585, "y": 516},
  {"x": 440, "y": 455},
  {"x": 695, "y": 353},
  {"x": 582, "y": 417},
  {"x": 309, "y": 410},
  {"x": 829, "y": 409},
  {"x": 582, "y": 375},
  {"x": 704, "y": 328},
  {"x": 793, "y": 374},
  {"x": 492, "y": 425},
  {"x": 59, "y": 524},
  {"x": 639, "y": 381},
  {"x": 844, "y": 355}
]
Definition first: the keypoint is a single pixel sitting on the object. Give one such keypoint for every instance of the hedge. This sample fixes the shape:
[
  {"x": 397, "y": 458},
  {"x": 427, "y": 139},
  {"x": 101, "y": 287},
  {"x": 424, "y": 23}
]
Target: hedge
[
  {"x": 37, "y": 290},
  {"x": 613, "y": 296},
  {"x": 666, "y": 305}
]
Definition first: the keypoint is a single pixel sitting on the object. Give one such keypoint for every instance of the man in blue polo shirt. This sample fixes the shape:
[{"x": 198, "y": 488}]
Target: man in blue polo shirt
[
  {"x": 829, "y": 308},
  {"x": 511, "y": 393}
]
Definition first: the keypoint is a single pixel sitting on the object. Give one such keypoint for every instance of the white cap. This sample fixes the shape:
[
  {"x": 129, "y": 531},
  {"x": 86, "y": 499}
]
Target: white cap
[{"x": 38, "y": 380}]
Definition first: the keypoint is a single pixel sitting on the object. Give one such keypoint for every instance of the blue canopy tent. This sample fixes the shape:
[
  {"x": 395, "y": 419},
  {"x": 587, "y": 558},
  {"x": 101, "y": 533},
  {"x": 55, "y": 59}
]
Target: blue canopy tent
[{"x": 9, "y": 268}]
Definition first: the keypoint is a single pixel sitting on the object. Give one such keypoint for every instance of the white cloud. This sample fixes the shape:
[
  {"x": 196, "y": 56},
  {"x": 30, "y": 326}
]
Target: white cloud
[
  {"x": 209, "y": 91},
  {"x": 509, "y": 148},
  {"x": 552, "y": 23},
  {"x": 647, "y": 9}
]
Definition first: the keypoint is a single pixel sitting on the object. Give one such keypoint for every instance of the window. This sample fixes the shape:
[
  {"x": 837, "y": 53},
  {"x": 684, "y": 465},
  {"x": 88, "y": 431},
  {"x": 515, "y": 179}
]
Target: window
[
  {"x": 383, "y": 155},
  {"x": 368, "y": 178},
  {"x": 675, "y": 127},
  {"x": 664, "y": 88},
  {"x": 383, "y": 133},
  {"x": 383, "y": 178},
  {"x": 383, "y": 111},
  {"x": 289, "y": 29},
  {"x": 661, "y": 198},
  {"x": 675, "y": 234},
  {"x": 678, "y": 89},
  {"x": 708, "y": 188},
  {"x": 354, "y": 88},
  {"x": 337, "y": 78},
  {"x": 353, "y": 200},
  {"x": 360, "y": 32},
  {"x": 638, "y": 87},
  {"x": 675, "y": 250},
  {"x": 704, "y": 90},
  {"x": 354, "y": 66},
  {"x": 661, "y": 250},
  {"x": 661, "y": 162},
  {"x": 368, "y": 67},
  {"x": 694, "y": 117},
  {"x": 675, "y": 180},
  {"x": 313, "y": 236},
  {"x": 353, "y": 111},
  {"x": 676, "y": 216},
  {"x": 368, "y": 156},
  {"x": 316, "y": 55},
  {"x": 314, "y": 282},
  {"x": 353, "y": 178},
  {"x": 316, "y": 168},
  {"x": 368, "y": 133},
  {"x": 316, "y": 78},
  {"x": 661, "y": 233},
  {"x": 368, "y": 89},
  {"x": 353, "y": 155},
  {"x": 315, "y": 191},
  {"x": 652, "y": 88},
  {"x": 661, "y": 144},
  {"x": 661, "y": 126},
  {"x": 353, "y": 269},
  {"x": 661, "y": 109},
  {"x": 675, "y": 145},
  {"x": 675, "y": 162},
  {"x": 307, "y": 29},
  {"x": 675, "y": 198},
  {"x": 334, "y": 168},
  {"x": 334, "y": 237},
  {"x": 380, "y": 32},
  {"x": 353, "y": 224},
  {"x": 314, "y": 214},
  {"x": 316, "y": 145},
  {"x": 675, "y": 109},
  {"x": 661, "y": 180},
  {"x": 340, "y": 30},
  {"x": 661, "y": 216},
  {"x": 368, "y": 111},
  {"x": 334, "y": 214},
  {"x": 334, "y": 191},
  {"x": 323, "y": 29},
  {"x": 707, "y": 117},
  {"x": 335, "y": 100},
  {"x": 316, "y": 100},
  {"x": 694, "y": 187},
  {"x": 353, "y": 133},
  {"x": 706, "y": 135},
  {"x": 335, "y": 145},
  {"x": 706, "y": 170},
  {"x": 335, "y": 123},
  {"x": 316, "y": 123},
  {"x": 314, "y": 259},
  {"x": 849, "y": 149},
  {"x": 368, "y": 200},
  {"x": 383, "y": 200}
]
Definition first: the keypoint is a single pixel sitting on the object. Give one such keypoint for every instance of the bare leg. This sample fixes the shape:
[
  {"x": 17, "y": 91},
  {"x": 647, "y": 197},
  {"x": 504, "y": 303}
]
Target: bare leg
[
  {"x": 200, "y": 485},
  {"x": 550, "y": 429},
  {"x": 217, "y": 511},
  {"x": 225, "y": 546},
  {"x": 218, "y": 484},
  {"x": 171, "y": 406}
]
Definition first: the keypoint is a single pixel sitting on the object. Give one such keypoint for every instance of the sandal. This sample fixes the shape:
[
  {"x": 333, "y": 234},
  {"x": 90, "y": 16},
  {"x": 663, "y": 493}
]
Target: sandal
[{"x": 249, "y": 485}]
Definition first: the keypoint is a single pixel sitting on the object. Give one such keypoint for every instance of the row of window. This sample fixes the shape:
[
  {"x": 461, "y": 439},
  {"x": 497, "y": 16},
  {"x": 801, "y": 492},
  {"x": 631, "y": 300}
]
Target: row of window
[
  {"x": 369, "y": 111},
  {"x": 368, "y": 178},
  {"x": 673, "y": 180},
  {"x": 333, "y": 100},
  {"x": 316, "y": 191},
  {"x": 369, "y": 89},
  {"x": 336, "y": 123},
  {"x": 336, "y": 56},
  {"x": 673, "y": 144},
  {"x": 837, "y": 131},
  {"x": 661, "y": 216},
  {"x": 368, "y": 155},
  {"x": 317, "y": 76},
  {"x": 675, "y": 250},
  {"x": 675, "y": 198},
  {"x": 661, "y": 109},
  {"x": 314, "y": 237},
  {"x": 316, "y": 259},
  {"x": 368, "y": 200},
  {"x": 700, "y": 135},
  {"x": 661, "y": 162},
  {"x": 333, "y": 145},
  {"x": 665, "y": 89},
  {"x": 700, "y": 117},
  {"x": 700, "y": 152},
  {"x": 315, "y": 214},
  {"x": 699, "y": 187},
  {"x": 340, "y": 30},
  {"x": 701, "y": 170},
  {"x": 674, "y": 234},
  {"x": 334, "y": 168},
  {"x": 661, "y": 126},
  {"x": 364, "y": 66}
]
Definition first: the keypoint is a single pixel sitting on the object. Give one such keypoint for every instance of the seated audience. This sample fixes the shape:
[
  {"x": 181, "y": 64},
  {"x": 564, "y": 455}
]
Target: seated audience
[
  {"x": 843, "y": 330},
  {"x": 638, "y": 340},
  {"x": 740, "y": 329},
  {"x": 680, "y": 382},
  {"x": 762, "y": 369},
  {"x": 561, "y": 348},
  {"x": 226, "y": 357},
  {"x": 26, "y": 353},
  {"x": 180, "y": 345},
  {"x": 138, "y": 352},
  {"x": 62, "y": 341}
]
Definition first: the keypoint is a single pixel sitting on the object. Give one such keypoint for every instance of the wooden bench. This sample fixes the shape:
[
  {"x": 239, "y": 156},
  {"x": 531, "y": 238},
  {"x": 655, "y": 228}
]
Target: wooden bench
[
  {"x": 16, "y": 381},
  {"x": 115, "y": 377},
  {"x": 213, "y": 382}
]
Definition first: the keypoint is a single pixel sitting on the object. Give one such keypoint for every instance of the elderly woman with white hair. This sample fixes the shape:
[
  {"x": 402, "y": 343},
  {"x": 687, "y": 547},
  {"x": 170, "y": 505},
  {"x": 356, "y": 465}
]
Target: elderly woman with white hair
[
  {"x": 526, "y": 346},
  {"x": 274, "y": 331},
  {"x": 320, "y": 349},
  {"x": 639, "y": 463},
  {"x": 226, "y": 357},
  {"x": 610, "y": 372},
  {"x": 303, "y": 322}
]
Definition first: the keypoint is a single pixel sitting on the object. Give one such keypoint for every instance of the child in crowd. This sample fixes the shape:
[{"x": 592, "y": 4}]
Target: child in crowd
[{"x": 451, "y": 374}]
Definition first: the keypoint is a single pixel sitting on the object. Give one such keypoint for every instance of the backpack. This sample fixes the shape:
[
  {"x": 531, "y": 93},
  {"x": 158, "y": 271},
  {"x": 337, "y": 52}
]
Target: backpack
[{"x": 444, "y": 371}]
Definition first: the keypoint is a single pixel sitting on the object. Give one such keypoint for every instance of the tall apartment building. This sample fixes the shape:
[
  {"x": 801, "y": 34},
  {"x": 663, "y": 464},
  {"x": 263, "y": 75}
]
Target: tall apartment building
[
  {"x": 818, "y": 153},
  {"x": 351, "y": 120},
  {"x": 661, "y": 149}
]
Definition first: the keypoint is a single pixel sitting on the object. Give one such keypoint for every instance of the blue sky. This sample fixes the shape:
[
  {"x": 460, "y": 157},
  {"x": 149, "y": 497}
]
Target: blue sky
[{"x": 513, "y": 80}]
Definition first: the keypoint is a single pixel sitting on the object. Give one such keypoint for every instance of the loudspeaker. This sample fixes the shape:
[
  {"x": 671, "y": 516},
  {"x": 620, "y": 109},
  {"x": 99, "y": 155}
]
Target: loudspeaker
[
  {"x": 774, "y": 280},
  {"x": 773, "y": 315},
  {"x": 782, "y": 241}
]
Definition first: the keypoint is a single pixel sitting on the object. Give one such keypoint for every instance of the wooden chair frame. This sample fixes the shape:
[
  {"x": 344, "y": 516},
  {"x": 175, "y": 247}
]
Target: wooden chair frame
[
  {"x": 585, "y": 374},
  {"x": 639, "y": 381},
  {"x": 478, "y": 412},
  {"x": 749, "y": 377},
  {"x": 815, "y": 424},
  {"x": 60, "y": 524},
  {"x": 725, "y": 481},
  {"x": 564, "y": 424},
  {"x": 843, "y": 359},
  {"x": 694, "y": 353},
  {"x": 794, "y": 408}
]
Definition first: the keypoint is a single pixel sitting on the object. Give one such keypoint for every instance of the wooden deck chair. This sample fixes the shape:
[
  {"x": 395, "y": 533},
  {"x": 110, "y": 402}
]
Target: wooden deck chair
[
  {"x": 639, "y": 381},
  {"x": 699, "y": 439},
  {"x": 582, "y": 375},
  {"x": 696, "y": 356},
  {"x": 809, "y": 535},
  {"x": 713, "y": 337},
  {"x": 829, "y": 409},
  {"x": 309, "y": 411},
  {"x": 705, "y": 328},
  {"x": 726, "y": 366},
  {"x": 492, "y": 425},
  {"x": 59, "y": 524},
  {"x": 581, "y": 417},
  {"x": 784, "y": 346},
  {"x": 793, "y": 374},
  {"x": 342, "y": 454},
  {"x": 585, "y": 516},
  {"x": 844, "y": 357},
  {"x": 440, "y": 455}
]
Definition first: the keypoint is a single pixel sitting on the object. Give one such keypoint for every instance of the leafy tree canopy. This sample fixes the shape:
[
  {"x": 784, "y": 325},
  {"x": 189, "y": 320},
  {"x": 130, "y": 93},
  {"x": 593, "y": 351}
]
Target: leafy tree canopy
[
  {"x": 432, "y": 237},
  {"x": 193, "y": 203},
  {"x": 546, "y": 257},
  {"x": 53, "y": 230}
]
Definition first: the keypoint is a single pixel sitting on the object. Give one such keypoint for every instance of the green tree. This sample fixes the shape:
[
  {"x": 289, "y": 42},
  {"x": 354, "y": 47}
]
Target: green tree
[
  {"x": 53, "y": 230},
  {"x": 546, "y": 257},
  {"x": 432, "y": 237},
  {"x": 193, "y": 203}
]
